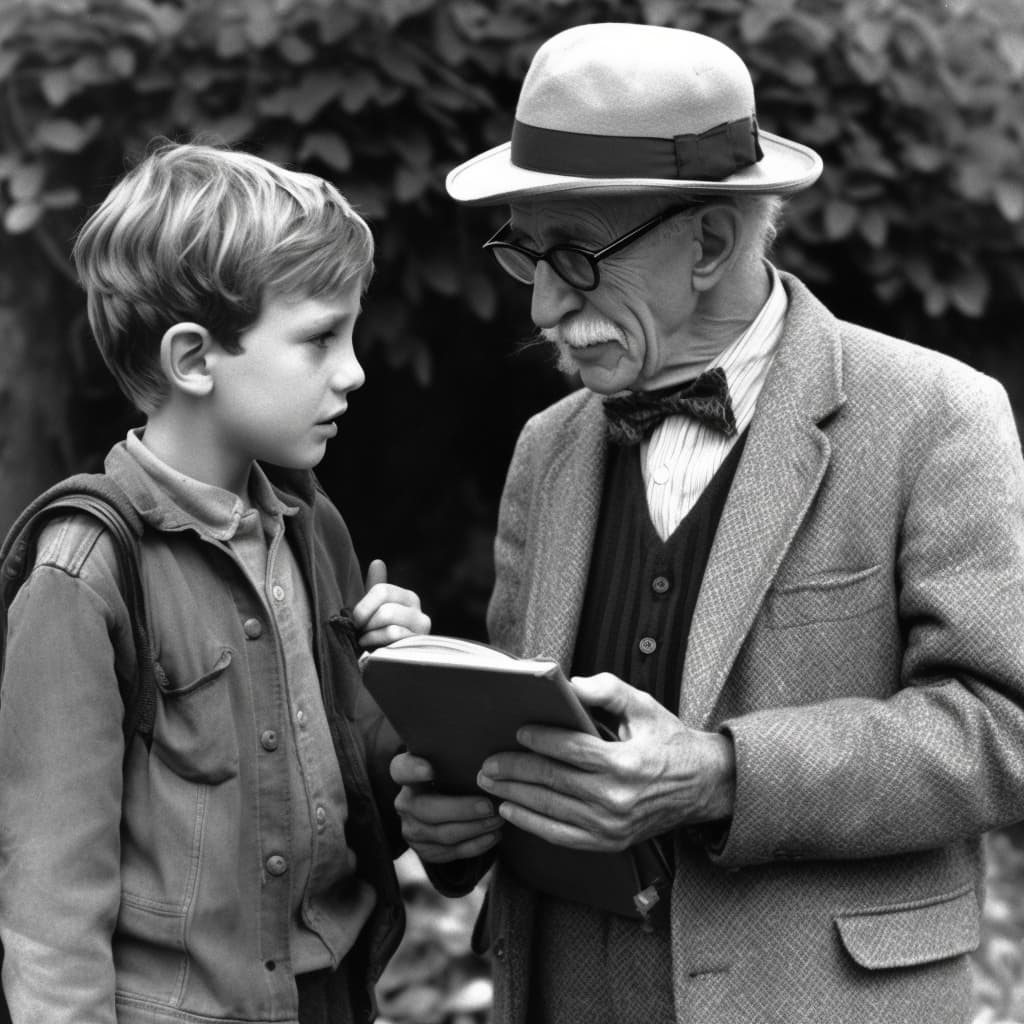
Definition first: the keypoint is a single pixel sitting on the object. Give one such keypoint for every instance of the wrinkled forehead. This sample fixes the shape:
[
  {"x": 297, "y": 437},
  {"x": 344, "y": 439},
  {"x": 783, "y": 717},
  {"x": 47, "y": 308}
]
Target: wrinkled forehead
[{"x": 602, "y": 215}]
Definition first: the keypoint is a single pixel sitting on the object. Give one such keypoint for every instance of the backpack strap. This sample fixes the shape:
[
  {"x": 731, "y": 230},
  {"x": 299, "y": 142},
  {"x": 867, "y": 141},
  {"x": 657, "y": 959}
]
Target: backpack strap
[{"x": 98, "y": 496}]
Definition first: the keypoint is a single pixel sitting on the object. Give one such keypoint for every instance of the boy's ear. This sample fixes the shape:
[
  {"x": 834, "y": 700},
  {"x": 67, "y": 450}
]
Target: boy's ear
[{"x": 185, "y": 358}]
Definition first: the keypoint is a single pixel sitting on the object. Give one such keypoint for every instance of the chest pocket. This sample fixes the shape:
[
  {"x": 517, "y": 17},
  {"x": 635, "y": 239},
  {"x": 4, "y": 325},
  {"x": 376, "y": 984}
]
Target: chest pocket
[
  {"x": 194, "y": 732},
  {"x": 828, "y": 597}
]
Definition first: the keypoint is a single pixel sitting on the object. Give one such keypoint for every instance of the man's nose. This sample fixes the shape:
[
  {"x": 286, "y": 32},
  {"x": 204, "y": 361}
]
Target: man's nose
[{"x": 552, "y": 298}]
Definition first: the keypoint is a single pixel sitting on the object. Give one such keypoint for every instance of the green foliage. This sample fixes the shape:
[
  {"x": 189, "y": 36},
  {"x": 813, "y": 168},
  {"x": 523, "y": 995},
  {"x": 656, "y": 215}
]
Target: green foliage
[{"x": 916, "y": 227}]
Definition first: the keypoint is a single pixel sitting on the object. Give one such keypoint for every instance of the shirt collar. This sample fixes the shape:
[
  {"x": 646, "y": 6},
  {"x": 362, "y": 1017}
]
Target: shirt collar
[
  {"x": 187, "y": 502},
  {"x": 747, "y": 359}
]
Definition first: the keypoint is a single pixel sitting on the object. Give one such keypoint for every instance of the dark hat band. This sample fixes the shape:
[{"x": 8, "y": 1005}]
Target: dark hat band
[{"x": 709, "y": 156}]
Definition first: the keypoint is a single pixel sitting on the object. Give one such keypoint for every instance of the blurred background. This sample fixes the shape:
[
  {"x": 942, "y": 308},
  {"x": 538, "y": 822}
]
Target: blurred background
[{"x": 916, "y": 228}]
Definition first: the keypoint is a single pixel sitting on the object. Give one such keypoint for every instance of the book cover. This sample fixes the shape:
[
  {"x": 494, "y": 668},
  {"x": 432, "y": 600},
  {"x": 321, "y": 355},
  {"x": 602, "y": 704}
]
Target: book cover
[{"x": 455, "y": 702}]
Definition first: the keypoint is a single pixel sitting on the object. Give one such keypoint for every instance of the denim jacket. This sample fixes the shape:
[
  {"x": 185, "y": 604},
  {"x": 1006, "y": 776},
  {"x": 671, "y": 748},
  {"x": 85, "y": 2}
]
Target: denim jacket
[{"x": 153, "y": 885}]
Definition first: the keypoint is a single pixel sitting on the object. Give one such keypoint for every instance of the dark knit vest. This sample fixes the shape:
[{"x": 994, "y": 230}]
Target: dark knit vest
[{"x": 641, "y": 591}]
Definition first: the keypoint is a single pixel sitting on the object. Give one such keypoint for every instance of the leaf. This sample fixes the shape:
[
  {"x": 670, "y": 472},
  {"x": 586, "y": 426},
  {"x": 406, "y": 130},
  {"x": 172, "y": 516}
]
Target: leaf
[
  {"x": 61, "y": 198},
  {"x": 659, "y": 12},
  {"x": 261, "y": 25},
  {"x": 314, "y": 92},
  {"x": 1011, "y": 48},
  {"x": 229, "y": 130},
  {"x": 21, "y": 217},
  {"x": 57, "y": 85},
  {"x": 329, "y": 147},
  {"x": 840, "y": 217},
  {"x": 872, "y": 35},
  {"x": 481, "y": 296},
  {"x": 441, "y": 275},
  {"x": 935, "y": 301},
  {"x": 91, "y": 69},
  {"x": 296, "y": 50},
  {"x": 395, "y": 11},
  {"x": 1009, "y": 197},
  {"x": 26, "y": 182},
  {"x": 356, "y": 90},
  {"x": 121, "y": 60},
  {"x": 970, "y": 292},
  {"x": 756, "y": 23},
  {"x": 975, "y": 180},
  {"x": 411, "y": 183},
  {"x": 924, "y": 157},
  {"x": 9, "y": 60},
  {"x": 874, "y": 227}
]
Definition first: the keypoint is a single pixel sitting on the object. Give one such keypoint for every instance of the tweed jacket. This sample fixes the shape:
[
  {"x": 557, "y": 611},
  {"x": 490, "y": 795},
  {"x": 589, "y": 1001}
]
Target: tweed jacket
[{"x": 859, "y": 634}]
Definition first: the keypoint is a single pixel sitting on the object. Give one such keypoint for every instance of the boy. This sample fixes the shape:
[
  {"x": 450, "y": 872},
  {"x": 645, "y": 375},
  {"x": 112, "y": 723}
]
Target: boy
[{"x": 240, "y": 868}]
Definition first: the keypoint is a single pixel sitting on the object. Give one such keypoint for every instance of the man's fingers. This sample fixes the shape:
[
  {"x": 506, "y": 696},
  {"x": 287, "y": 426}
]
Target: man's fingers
[{"x": 604, "y": 691}]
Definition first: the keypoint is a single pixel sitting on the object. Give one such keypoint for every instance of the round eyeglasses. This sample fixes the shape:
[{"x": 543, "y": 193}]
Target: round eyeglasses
[{"x": 576, "y": 266}]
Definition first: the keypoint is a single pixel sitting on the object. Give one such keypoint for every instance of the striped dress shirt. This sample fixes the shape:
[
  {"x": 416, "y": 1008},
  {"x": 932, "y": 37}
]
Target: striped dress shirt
[{"x": 682, "y": 455}]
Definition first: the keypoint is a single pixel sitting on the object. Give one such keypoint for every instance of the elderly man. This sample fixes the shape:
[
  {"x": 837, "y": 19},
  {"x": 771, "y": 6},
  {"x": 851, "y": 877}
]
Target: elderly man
[{"x": 784, "y": 553}]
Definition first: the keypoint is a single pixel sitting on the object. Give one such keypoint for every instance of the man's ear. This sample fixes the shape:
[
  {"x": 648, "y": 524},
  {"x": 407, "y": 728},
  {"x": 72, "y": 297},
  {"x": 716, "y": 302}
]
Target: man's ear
[
  {"x": 185, "y": 351},
  {"x": 716, "y": 234}
]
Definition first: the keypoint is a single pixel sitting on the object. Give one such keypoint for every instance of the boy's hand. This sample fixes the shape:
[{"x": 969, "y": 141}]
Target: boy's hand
[
  {"x": 387, "y": 613},
  {"x": 441, "y": 828}
]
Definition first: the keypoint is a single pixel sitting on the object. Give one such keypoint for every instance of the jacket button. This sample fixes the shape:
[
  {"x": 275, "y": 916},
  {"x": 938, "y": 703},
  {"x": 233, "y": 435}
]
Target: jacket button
[
  {"x": 268, "y": 739},
  {"x": 660, "y": 584},
  {"x": 276, "y": 864},
  {"x": 253, "y": 628},
  {"x": 648, "y": 645},
  {"x": 278, "y": 591},
  {"x": 321, "y": 817}
]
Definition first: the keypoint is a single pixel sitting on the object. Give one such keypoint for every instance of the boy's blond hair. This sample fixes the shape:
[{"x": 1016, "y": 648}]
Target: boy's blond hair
[{"x": 203, "y": 234}]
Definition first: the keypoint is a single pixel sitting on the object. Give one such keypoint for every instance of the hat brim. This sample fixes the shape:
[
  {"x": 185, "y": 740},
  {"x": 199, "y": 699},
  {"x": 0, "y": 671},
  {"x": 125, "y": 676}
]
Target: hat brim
[{"x": 491, "y": 177}]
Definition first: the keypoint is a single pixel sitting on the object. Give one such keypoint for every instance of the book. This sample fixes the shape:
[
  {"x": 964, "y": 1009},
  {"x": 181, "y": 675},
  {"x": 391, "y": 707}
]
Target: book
[{"x": 455, "y": 703}]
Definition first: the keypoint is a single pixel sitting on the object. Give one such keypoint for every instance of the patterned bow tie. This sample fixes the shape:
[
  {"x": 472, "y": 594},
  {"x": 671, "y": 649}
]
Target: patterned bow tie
[{"x": 632, "y": 417}]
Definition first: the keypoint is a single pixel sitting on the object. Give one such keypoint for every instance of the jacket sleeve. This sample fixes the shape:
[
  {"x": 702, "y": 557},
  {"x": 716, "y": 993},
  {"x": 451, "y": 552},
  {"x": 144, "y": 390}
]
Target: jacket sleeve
[
  {"x": 942, "y": 758},
  {"x": 61, "y": 753}
]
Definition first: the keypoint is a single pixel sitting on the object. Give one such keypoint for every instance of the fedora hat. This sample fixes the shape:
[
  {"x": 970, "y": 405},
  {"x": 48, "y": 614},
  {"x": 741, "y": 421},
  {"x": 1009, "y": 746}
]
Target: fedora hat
[{"x": 620, "y": 108}]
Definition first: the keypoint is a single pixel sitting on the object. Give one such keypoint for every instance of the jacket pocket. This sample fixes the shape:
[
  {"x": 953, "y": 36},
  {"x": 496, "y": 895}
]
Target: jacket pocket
[
  {"x": 194, "y": 733},
  {"x": 913, "y": 933},
  {"x": 828, "y": 597}
]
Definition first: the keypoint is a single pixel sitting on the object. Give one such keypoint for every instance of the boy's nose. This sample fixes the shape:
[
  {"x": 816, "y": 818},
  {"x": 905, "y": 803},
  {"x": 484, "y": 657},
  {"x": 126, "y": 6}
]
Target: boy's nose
[{"x": 348, "y": 375}]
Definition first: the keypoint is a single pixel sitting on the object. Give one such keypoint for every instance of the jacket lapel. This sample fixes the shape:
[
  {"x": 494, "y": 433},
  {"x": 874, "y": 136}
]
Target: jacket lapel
[
  {"x": 570, "y": 496},
  {"x": 782, "y": 466}
]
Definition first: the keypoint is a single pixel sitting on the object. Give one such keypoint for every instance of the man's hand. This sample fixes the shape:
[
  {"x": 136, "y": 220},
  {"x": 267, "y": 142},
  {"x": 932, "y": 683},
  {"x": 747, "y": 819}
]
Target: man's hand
[
  {"x": 579, "y": 791},
  {"x": 387, "y": 613},
  {"x": 441, "y": 828}
]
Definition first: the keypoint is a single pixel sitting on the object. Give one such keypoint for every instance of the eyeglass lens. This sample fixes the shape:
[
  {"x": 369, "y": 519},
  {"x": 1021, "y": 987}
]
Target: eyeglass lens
[{"x": 573, "y": 267}]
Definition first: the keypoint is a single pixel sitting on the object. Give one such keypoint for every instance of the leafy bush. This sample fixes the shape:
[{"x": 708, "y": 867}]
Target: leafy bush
[{"x": 915, "y": 227}]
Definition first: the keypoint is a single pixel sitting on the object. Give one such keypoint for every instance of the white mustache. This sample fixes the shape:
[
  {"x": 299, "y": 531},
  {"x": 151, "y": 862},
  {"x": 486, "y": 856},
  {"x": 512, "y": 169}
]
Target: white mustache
[{"x": 583, "y": 332}]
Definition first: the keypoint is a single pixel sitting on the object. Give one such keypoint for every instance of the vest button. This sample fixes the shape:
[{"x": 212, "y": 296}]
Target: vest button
[
  {"x": 660, "y": 585},
  {"x": 252, "y": 628},
  {"x": 648, "y": 645},
  {"x": 276, "y": 864},
  {"x": 268, "y": 739}
]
